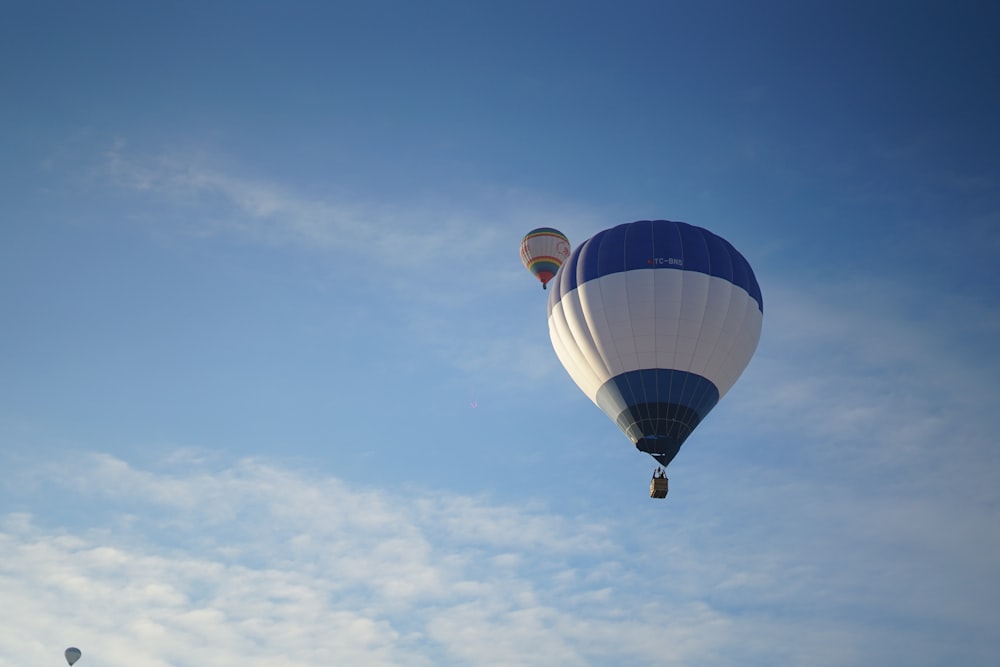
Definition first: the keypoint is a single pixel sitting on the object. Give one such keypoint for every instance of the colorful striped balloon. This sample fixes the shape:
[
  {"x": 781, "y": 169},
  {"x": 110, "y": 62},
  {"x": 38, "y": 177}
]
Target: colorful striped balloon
[
  {"x": 543, "y": 251},
  {"x": 655, "y": 321}
]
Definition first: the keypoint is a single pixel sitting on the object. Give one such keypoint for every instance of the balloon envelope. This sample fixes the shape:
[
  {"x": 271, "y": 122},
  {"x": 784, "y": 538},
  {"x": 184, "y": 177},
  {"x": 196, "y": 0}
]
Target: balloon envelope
[
  {"x": 72, "y": 654},
  {"x": 655, "y": 321},
  {"x": 543, "y": 251}
]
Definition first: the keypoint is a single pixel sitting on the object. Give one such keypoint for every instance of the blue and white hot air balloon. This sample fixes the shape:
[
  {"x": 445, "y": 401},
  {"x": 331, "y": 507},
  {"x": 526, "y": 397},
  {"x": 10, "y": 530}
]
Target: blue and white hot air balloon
[{"x": 655, "y": 321}]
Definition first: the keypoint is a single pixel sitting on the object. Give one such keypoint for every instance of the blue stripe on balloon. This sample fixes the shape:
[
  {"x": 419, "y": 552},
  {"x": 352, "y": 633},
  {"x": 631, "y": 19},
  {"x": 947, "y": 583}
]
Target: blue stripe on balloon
[
  {"x": 658, "y": 385},
  {"x": 655, "y": 244},
  {"x": 657, "y": 408}
]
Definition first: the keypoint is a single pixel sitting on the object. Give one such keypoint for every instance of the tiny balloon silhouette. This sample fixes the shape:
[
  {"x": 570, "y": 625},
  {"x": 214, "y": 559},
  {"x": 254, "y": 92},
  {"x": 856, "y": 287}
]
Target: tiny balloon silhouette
[{"x": 72, "y": 655}]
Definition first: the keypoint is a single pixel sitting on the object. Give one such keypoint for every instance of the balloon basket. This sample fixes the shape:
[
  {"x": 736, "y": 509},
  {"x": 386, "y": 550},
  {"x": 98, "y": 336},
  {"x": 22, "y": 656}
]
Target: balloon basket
[{"x": 658, "y": 487}]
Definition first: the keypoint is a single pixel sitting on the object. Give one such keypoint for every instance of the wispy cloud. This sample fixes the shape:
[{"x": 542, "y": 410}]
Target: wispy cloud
[
  {"x": 428, "y": 232},
  {"x": 269, "y": 212},
  {"x": 252, "y": 563}
]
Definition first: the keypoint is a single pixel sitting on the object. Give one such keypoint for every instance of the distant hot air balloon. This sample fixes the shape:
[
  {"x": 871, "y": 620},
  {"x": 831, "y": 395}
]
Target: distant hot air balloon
[
  {"x": 543, "y": 251},
  {"x": 655, "y": 321},
  {"x": 72, "y": 654}
]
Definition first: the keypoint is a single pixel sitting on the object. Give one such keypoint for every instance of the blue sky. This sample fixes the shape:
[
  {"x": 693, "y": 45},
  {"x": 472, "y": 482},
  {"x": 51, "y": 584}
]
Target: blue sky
[{"x": 259, "y": 260}]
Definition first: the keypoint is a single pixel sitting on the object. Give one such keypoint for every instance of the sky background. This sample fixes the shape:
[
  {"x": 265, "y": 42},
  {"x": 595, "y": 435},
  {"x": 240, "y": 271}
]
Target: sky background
[{"x": 276, "y": 389}]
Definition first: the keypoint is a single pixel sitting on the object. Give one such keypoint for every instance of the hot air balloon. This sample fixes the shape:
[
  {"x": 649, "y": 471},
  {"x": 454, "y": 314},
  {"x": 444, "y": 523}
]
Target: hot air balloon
[
  {"x": 72, "y": 655},
  {"x": 655, "y": 321},
  {"x": 543, "y": 251}
]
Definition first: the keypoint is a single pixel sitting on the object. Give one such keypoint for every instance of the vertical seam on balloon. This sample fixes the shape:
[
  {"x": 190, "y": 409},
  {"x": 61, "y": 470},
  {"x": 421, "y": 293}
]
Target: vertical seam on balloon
[
  {"x": 580, "y": 339},
  {"x": 730, "y": 251},
  {"x": 604, "y": 310},
  {"x": 680, "y": 307},
  {"x": 695, "y": 398},
  {"x": 583, "y": 334},
  {"x": 600, "y": 285},
  {"x": 589, "y": 321},
  {"x": 649, "y": 403},
  {"x": 687, "y": 370},
  {"x": 592, "y": 324},
  {"x": 738, "y": 328},
  {"x": 704, "y": 374},
  {"x": 653, "y": 400},
  {"x": 570, "y": 301},
  {"x": 715, "y": 345},
  {"x": 646, "y": 402},
  {"x": 656, "y": 362},
  {"x": 569, "y": 344},
  {"x": 737, "y": 342},
  {"x": 719, "y": 353},
  {"x": 628, "y": 318}
]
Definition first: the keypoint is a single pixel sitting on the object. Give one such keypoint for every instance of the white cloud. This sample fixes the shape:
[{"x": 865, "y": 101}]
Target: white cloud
[
  {"x": 449, "y": 236},
  {"x": 287, "y": 567},
  {"x": 268, "y": 212},
  {"x": 254, "y": 564}
]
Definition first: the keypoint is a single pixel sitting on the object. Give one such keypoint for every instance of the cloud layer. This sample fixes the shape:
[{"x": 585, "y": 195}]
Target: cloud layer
[
  {"x": 252, "y": 564},
  {"x": 255, "y": 564},
  {"x": 411, "y": 233}
]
